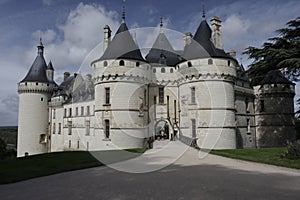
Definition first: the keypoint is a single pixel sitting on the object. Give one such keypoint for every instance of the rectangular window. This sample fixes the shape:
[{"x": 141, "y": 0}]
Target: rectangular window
[
  {"x": 54, "y": 113},
  {"x": 59, "y": 128},
  {"x": 248, "y": 126},
  {"x": 193, "y": 97},
  {"x": 88, "y": 110},
  {"x": 76, "y": 111},
  {"x": 78, "y": 144},
  {"x": 82, "y": 111},
  {"x": 53, "y": 127},
  {"x": 70, "y": 144},
  {"x": 247, "y": 105},
  {"x": 69, "y": 127},
  {"x": 262, "y": 105},
  {"x": 107, "y": 128},
  {"x": 65, "y": 112},
  {"x": 70, "y": 112},
  {"x": 145, "y": 97},
  {"x": 107, "y": 96},
  {"x": 87, "y": 127},
  {"x": 193, "y": 128},
  {"x": 161, "y": 95}
]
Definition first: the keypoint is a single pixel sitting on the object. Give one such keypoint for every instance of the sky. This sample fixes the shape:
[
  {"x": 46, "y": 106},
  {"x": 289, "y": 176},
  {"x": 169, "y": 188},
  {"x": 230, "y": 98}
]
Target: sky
[{"x": 71, "y": 29}]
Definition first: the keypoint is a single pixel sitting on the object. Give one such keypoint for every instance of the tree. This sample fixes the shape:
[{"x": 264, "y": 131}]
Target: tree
[
  {"x": 282, "y": 52},
  {"x": 2, "y": 149}
]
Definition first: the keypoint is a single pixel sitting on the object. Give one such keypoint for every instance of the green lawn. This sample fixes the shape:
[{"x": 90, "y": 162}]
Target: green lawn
[
  {"x": 24, "y": 168},
  {"x": 266, "y": 155}
]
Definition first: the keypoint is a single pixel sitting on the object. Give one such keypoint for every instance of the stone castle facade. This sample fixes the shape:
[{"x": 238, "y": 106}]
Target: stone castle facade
[{"x": 199, "y": 94}]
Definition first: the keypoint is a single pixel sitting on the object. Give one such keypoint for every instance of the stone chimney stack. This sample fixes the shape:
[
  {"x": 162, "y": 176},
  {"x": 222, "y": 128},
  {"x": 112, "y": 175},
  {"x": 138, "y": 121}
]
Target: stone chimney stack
[
  {"x": 188, "y": 38},
  {"x": 107, "y": 37},
  {"x": 232, "y": 53},
  {"x": 66, "y": 75},
  {"x": 216, "y": 32}
]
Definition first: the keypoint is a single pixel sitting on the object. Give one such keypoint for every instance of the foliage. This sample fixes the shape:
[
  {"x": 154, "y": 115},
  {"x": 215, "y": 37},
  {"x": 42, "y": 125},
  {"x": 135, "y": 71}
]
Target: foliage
[
  {"x": 282, "y": 52},
  {"x": 9, "y": 135},
  {"x": 2, "y": 149},
  {"x": 266, "y": 155},
  {"x": 293, "y": 150}
]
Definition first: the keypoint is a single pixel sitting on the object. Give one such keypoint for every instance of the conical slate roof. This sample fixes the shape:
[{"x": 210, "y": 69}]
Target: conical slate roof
[
  {"x": 50, "y": 66},
  {"x": 37, "y": 71},
  {"x": 201, "y": 46},
  {"x": 275, "y": 77},
  {"x": 162, "y": 48},
  {"x": 122, "y": 46}
]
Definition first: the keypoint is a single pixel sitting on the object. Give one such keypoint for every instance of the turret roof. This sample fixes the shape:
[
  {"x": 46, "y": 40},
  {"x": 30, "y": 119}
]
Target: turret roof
[
  {"x": 50, "y": 66},
  {"x": 122, "y": 46},
  {"x": 163, "y": 48},
  {"x": 37, "y": 71},
  {"x": 201, "y": 46},
  {"x": 275, "y": 77}
]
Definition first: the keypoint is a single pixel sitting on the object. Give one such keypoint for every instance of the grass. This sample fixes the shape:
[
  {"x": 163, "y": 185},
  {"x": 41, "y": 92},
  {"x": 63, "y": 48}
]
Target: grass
[
  {"x": 266, "y": 155},
  {"x": 14, "y": 170}
]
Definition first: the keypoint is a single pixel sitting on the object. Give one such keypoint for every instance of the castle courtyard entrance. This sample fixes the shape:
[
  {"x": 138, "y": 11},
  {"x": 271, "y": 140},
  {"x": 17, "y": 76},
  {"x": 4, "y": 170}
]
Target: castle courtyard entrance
[{"x": 162, "y": 130}]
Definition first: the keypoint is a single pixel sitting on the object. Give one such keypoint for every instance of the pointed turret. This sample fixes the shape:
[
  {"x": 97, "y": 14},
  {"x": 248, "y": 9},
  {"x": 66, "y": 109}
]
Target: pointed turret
[
  {"x": 162, "y": 48},
  {"x": 122, "y": 45},
  {"x": 37, "y": 71},
  {"x": 201, "y": 46},
  {"x": 50, "y": 72}
]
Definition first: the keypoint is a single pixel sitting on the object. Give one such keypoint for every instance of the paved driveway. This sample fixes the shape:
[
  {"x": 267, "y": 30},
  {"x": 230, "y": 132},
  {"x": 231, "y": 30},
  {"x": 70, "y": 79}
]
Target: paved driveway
[{"x": 188, "y": 177}]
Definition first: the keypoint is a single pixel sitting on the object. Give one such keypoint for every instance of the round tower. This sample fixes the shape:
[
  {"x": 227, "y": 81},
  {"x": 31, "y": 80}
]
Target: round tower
[
  {"x": 34, "y": 92},
  {"x": 274, "y": 110},
  {"x": 121, "y": 92},
  {"x": 206, "y": 92}
]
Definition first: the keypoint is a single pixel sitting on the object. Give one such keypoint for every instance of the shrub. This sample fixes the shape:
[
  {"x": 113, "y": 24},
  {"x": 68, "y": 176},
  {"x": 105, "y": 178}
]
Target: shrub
[
  {"x": 2, "y": 149},
  {"x": 293, "y": 150}
]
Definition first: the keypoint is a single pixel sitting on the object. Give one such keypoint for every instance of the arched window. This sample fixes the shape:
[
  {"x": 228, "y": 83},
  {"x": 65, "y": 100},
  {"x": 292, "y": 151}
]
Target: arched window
[
  {"x": 163, "y": 70},
  {"x": 228, "y": 62},
  {"x": 190, "y": 64},
  {"x": 171, "y": 70},
  {"x": 121, "y": 63},
  {"x": 137, "y": 64},
  {"x": 105, "y": 64},
  {"x": 154, "y": 70},
  {"x": 210, "y": 61}
]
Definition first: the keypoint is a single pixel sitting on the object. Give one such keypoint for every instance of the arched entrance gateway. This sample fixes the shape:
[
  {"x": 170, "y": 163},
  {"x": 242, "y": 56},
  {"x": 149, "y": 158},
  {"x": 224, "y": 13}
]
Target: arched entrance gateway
[{"x": 162, "y": 129}]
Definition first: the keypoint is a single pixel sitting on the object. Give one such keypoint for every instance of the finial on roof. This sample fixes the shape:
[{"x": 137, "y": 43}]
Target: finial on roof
[
  {"x": 40, "y": 47},
  {"x": 161, "y": 22},
  {"x": 203, "y": 11},
  {"x": 123, "y": 12}
]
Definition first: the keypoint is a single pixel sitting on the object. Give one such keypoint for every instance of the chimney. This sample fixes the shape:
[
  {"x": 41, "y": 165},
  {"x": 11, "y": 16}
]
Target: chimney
[
  {"x": 232, "y": 53},
  {"x": 107, "y": 37},
  {"x": 187, "y": 38},
  {"x": 66, "y": 75},
  {"x": 216, "y": 32}
]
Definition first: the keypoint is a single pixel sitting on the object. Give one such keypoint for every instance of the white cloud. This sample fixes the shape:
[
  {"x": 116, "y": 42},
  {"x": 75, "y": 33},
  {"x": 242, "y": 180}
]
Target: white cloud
[
  {"x": 81, "y": 32},
  {"x": 47, "y": 36},
  {"x": 235, "y": 30}
]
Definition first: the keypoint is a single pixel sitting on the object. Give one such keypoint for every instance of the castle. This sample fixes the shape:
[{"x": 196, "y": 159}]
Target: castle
[{"x": 199, "y": 94}]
